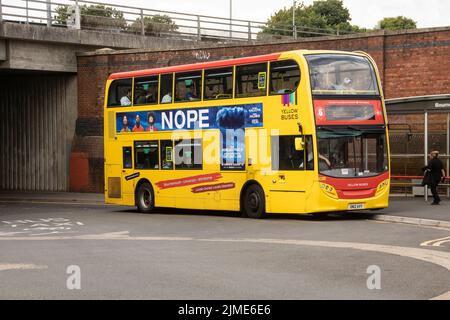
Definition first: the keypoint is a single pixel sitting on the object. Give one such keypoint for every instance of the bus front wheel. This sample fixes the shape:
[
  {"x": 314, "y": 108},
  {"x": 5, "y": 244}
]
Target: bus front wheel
[
  {"x": 254, "y": 205},
  {"x": 145, "y": 199}
]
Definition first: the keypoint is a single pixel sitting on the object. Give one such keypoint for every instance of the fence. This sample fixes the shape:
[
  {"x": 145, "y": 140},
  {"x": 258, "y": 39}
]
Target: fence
[{"x": 128, "y": 19}]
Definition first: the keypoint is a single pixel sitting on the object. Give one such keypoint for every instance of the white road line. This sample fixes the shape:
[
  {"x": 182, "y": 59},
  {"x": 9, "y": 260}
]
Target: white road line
[
  {"x": 432, "y": 256},
  {"x": 439, "y": 258},
  {"x": 435, "y": 242},
  {"x": 21, "y": 266}
]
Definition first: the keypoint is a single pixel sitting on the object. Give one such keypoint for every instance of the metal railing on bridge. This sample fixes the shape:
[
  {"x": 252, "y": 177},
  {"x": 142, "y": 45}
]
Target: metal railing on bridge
[{"x": 91, "y": 15}]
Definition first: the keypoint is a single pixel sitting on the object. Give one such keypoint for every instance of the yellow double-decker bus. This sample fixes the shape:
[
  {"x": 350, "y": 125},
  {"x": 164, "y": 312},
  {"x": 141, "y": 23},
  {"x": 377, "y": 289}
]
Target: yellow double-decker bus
[{"x": 292, "y": 132}]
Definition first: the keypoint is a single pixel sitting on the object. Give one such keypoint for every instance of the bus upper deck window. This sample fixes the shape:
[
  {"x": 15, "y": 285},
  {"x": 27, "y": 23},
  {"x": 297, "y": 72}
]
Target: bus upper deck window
[
  {"x": 218, "y": 84},
  {"x": 119, "y": 93},
  {"x": 188, "y": 86},
  {"x": 145, "y": 90},
  {"x": 165, "y": 91},
  {"x": 284, "y": 77},
  {"x": 251, "y": 80}
]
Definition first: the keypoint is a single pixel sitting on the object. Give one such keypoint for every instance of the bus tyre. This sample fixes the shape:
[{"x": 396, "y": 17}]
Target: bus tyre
[
  {"x": 254, "y": 202},
  {"x": 145, "y": 199}
]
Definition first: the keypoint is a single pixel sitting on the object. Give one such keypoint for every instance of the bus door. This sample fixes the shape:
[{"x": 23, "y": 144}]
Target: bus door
[
  {"x": 128, "y": 174},
  {"x": 292, "y": 174}
]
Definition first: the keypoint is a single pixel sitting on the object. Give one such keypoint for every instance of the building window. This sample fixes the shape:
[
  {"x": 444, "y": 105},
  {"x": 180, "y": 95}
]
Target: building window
[
  {"x": 218, "y": 84},
  {"x": 146, "y": 155},
  {"x": 188, "y": 154},
  {"x": 188, "y": 86},
  {"x": 284, "y": 77},
  {"x": 251, "y": 80},
  {"x": 119, "y": 93},
  {"x": 145, "y": 90}
]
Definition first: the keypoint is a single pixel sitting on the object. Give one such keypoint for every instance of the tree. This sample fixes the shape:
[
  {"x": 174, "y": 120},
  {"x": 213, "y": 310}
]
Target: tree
[
  {"x": 322, "y": 17},
  {"x": 94, "y": 16},
  {"x": 155, "y": 25},
  {"x": 397, "y": 23}
]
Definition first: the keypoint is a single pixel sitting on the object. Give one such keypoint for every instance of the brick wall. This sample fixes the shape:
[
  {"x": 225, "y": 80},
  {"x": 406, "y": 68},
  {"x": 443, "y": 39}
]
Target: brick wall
[{"x": 410, "y": 63}]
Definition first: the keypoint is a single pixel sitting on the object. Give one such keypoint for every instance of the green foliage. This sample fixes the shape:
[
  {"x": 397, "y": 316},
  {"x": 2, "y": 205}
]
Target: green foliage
[
  {"x": 397, "y": 23},
  {"x": 322, "y": 17},
  {"x": 155, "y": 25},
  {"x": 94, "y": 16}
]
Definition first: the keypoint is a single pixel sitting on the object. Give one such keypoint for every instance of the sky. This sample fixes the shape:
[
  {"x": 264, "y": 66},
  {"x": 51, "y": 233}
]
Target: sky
[{"x": 364, "y": 13}]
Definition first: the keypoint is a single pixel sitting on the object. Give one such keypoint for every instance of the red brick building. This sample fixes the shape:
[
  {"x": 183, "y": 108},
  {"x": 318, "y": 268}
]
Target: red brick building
[{"x": 411, "y": 63}]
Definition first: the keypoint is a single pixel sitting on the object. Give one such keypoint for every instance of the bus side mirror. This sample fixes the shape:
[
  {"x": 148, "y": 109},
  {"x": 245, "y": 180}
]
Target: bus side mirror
[{"x": 299, "y": 144}]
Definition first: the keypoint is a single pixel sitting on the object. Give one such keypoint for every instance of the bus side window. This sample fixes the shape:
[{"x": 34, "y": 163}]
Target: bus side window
[
  {"x": 284, "y": 77},
  {"x": 251, "y": 80},
  {"x": 146, "y": 155},
  {"x": 165, "y": 91},
  {"x": 188, "y": 86},
  {"x": 146, "y": 90},
  {"x": 309, "y": 153},
  {"x": 218, "y": 84},
  {"x": 127, "y": 157},
  {"x": 188, "y": 154},
  {"x": 119, "y": 93},
  {"x": 166, "y": 154}
]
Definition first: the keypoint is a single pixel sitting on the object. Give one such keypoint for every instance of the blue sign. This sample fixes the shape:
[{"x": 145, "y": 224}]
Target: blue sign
[{"x": 223, "y": 117}]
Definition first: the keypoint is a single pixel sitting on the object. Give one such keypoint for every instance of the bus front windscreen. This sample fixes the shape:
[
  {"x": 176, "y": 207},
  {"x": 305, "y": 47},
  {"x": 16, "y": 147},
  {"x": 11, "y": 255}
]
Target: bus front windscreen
[
  {"x": 338, "y": 74},
  {"x": 351, "y": 152}
]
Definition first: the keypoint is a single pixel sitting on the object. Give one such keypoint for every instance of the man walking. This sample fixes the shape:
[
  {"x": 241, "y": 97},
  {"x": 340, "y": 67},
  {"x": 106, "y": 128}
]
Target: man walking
[{"x": 437, "y": 174}]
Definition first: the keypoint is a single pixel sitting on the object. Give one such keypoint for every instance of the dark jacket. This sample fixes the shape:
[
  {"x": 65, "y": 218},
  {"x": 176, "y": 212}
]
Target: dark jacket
[{"x": 435, "y": 166}]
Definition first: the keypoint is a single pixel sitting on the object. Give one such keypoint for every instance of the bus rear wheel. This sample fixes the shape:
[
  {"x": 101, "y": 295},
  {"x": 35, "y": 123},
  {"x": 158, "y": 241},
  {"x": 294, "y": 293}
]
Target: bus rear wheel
[
  {"x": 145, "y": 198},
  {"x": 253, "y": 202}
]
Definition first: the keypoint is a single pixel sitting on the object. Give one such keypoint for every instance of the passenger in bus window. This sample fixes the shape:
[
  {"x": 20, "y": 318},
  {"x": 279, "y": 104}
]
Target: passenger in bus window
[
  {"x": 148, "y": 96},
  {"x": 125, "y": 125},
  {"x": 167, "y": 98},
  {"x": 151, "y": 122},
  {"x": 190, "y": 93},
  {"x": 126, "y": 100},
  {"x": 137, "y": 127}
]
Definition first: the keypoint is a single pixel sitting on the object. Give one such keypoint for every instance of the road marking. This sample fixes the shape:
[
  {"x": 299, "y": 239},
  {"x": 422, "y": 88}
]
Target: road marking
[
  {"x": 439, "y": 258},
  {"x": 435, "y": 242},
  {"x": 432, "y": 256},
  {"x": 21, "y": 266}
]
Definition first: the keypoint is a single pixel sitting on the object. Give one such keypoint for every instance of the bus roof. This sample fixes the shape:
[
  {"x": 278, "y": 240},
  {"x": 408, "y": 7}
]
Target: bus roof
[
  {"x": 196, "y": 66},
  {"x": 214, "y": 64}
]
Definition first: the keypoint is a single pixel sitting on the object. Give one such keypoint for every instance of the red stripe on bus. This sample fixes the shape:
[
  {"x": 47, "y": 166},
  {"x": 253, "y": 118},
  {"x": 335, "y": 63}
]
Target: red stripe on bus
[{"x": 196, "y": 66}]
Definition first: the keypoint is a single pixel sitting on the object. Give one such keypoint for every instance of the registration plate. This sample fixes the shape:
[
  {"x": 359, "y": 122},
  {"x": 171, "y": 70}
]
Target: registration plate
[{"x": 356, "y": 206}]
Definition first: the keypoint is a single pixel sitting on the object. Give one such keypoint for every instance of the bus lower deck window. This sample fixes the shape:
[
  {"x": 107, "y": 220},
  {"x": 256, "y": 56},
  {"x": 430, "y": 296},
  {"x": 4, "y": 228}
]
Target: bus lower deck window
[
  {"x": 146, "y": 155},
  {"x": 188, "y": 154},
  {"x": 166, "y": 154}
]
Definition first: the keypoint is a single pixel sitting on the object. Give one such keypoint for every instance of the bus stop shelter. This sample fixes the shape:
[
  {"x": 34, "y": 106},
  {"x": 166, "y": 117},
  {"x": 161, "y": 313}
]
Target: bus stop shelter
[{"x": 417, "y": 125}]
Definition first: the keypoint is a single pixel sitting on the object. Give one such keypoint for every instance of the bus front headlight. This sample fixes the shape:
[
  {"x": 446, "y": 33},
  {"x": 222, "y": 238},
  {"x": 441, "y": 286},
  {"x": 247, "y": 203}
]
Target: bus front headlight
[
  {"x": 382, "y": 186},
  {"x": 328, "y": 190}
]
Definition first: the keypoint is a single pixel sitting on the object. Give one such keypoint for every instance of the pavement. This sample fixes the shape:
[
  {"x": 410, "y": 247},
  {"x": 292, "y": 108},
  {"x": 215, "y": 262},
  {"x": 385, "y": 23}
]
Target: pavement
[{"x": 76, "y": 250}]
